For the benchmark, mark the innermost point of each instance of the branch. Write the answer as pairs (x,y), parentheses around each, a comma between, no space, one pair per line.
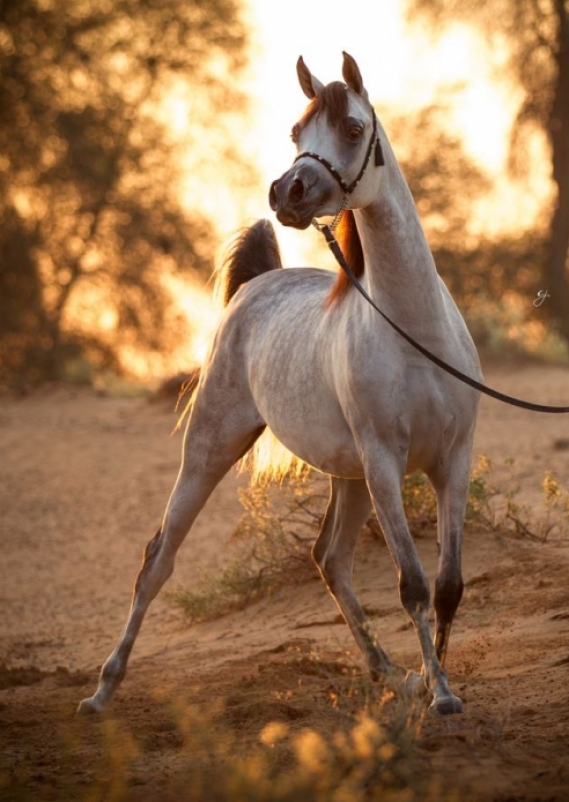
(563,20)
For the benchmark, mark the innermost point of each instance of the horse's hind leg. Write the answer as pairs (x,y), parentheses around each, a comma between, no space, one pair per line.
(333,552)
(215,439)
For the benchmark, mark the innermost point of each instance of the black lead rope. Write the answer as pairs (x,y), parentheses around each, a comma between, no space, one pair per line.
(507,399)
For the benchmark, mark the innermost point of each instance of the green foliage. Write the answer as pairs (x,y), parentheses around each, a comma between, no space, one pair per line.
(280,524)
(531,39)
(480,492)
(232,589)
(500,508)
(509,326)
(526,33)
(420,502)
(89,217)
(556,505)
(276,532)
(437,173)
(364,752)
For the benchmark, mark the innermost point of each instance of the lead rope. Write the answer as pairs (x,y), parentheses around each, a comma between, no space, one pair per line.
(327,231)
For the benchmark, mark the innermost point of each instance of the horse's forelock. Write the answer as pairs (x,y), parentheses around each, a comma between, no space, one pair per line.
(333,101)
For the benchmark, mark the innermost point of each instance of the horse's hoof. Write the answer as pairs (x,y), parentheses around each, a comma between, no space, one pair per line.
(446,705)
(88,707)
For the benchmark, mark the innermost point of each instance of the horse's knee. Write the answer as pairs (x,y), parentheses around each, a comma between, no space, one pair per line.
(448,594)
(414,592)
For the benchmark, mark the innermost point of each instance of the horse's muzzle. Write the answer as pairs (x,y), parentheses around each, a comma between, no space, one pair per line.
(297,196)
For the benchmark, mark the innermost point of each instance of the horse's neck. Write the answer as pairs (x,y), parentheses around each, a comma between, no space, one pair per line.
(400,271)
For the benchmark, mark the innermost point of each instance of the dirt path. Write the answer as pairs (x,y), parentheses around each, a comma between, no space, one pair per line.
(83,483)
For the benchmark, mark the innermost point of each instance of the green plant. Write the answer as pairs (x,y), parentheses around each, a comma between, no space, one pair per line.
(275,533)
(480,492)
(419,501)
(501,510)
(277,530)
(279,526)
(362,746)
(511,325)
(556,505)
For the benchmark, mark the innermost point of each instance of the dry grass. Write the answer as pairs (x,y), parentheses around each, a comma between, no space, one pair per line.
(280,524)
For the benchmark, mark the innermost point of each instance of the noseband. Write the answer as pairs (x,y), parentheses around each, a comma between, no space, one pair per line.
(349,188)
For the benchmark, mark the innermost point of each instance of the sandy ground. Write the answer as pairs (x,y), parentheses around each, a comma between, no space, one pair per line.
(83,483)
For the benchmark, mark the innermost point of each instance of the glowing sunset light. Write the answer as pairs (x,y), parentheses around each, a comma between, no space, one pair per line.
(199,306)
(405,69)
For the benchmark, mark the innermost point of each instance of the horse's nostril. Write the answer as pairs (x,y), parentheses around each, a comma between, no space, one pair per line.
(273,196)
(296,191)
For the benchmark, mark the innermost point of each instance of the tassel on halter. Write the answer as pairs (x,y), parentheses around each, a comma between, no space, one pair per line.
(379,158)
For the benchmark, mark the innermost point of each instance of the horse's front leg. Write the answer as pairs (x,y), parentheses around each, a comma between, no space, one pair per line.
(452,487)
(384,479)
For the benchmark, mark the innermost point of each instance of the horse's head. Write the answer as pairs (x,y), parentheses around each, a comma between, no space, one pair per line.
(338,150)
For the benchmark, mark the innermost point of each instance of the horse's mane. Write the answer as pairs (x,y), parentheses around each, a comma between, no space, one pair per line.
(351,245)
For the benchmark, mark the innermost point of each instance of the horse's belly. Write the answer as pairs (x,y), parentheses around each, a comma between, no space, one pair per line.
(323,441)
(344,462)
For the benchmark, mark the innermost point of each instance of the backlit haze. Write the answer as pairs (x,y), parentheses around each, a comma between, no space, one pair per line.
(404,68)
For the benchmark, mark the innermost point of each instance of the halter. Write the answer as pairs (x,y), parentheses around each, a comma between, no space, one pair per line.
(349,188)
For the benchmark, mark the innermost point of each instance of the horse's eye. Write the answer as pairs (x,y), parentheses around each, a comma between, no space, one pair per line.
(353,129)
(294,133)
(354,132)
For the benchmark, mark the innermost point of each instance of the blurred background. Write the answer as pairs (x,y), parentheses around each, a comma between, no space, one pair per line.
(137,136)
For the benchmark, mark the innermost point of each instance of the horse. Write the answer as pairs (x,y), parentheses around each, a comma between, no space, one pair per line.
(302,354)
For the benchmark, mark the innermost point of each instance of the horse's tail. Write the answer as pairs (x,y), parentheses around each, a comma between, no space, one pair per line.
(254,251)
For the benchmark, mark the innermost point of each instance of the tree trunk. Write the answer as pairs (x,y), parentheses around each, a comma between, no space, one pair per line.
(556,273)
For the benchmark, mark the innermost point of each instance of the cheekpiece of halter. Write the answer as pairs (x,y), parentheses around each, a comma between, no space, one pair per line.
(374,145)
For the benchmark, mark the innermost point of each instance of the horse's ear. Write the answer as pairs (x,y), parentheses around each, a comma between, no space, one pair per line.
(352,74)
(310,85)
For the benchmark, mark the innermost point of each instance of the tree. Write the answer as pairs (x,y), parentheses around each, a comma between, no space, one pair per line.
(536,33)
(89,222)
(443,179)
